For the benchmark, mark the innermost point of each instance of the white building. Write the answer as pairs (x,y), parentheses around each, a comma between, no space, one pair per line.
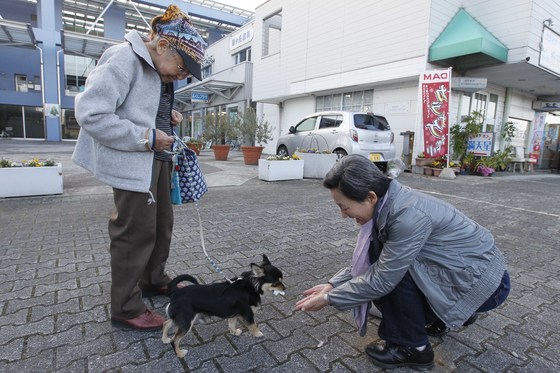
(363,54)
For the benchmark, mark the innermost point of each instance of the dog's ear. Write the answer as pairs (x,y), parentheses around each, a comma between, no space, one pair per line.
(257,270)
(265,260)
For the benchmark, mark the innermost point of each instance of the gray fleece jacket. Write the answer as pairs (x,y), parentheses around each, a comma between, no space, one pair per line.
(452,259)
(115,112)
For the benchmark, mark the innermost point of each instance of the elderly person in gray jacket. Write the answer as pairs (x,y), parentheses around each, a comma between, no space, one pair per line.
(425,265)
(125,116)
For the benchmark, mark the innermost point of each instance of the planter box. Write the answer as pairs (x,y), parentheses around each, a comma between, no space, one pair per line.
(423,162)
(30,181)
(280,170)
(317,165)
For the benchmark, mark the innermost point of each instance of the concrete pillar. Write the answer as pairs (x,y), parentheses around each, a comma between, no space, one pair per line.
(49,22)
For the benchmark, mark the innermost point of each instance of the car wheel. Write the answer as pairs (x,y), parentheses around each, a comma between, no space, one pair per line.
(282,151)
(340,153)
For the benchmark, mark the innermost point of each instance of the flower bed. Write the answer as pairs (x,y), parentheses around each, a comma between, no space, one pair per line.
(32,178)
(316,164)
(278,168)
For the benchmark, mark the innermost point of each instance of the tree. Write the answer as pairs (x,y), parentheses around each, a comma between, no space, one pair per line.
(217,128)
(253,130)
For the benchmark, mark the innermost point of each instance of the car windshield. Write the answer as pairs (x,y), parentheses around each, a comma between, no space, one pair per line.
(371,122)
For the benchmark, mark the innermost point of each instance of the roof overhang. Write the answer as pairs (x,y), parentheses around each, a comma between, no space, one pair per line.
(214,88)
(465,44)
(85,45)
(16,34)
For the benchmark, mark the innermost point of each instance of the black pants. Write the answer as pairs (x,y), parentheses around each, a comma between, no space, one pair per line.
(406,311)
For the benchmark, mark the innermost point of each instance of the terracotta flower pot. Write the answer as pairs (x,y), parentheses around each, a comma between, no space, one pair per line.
(196,147)
(221,152)
(252,154)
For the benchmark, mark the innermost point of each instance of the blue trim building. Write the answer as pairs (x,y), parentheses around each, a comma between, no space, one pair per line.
(48,47)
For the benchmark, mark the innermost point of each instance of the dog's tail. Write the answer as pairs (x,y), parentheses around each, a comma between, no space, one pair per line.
(172,286)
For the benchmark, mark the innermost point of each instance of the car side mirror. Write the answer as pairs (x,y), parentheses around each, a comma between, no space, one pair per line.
(292,129)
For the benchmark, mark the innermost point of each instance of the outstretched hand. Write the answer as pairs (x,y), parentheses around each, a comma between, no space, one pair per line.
(314,299)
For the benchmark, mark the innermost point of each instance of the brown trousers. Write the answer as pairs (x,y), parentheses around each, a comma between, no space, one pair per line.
(140,233)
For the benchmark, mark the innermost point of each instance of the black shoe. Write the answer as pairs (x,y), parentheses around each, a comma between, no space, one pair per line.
(439,329)
(393,356)
(436,329)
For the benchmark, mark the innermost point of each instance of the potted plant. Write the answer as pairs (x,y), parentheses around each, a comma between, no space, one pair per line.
(217,128)
(278,167)
(460,134)
(30,178)
(253,130)
(467,164)
(195,145)
(422,161)
(434,168)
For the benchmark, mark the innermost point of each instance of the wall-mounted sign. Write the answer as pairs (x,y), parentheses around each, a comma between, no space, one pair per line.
(241,38)
(467,84)
(199,97)
(550,51)
(546,106)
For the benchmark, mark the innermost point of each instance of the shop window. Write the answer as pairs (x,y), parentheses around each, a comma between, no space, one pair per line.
(486,104)
(272,32)
(34,123)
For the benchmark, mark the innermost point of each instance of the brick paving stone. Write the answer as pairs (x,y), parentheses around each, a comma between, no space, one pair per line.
(55,280)
(296,363)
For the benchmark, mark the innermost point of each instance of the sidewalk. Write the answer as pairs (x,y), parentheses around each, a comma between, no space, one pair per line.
(55,276)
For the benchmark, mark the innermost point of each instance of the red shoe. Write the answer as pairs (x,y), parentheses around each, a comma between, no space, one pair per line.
(149,320)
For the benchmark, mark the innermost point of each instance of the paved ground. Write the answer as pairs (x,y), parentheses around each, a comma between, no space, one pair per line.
(54,275)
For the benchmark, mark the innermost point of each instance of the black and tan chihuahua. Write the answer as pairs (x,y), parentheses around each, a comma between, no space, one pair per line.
(236,299)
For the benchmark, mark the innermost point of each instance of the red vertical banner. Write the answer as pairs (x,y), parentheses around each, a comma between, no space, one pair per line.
(436,92)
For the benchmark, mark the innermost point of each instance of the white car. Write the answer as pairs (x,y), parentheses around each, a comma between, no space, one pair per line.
(343,133)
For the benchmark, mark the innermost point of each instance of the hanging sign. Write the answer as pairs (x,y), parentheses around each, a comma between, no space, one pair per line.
(199,97)
(435,93)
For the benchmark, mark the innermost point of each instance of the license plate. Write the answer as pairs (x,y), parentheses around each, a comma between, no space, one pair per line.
(375,157)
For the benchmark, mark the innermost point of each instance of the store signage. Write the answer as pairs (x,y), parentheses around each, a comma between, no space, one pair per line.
(481,144)
(546,106)
(199,97)
(550,49)
(435,92)
(241,38)
(466,84)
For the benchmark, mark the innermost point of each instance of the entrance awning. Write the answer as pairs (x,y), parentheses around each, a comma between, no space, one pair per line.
(78,44)
(212,87)
(465,44)
(16,34)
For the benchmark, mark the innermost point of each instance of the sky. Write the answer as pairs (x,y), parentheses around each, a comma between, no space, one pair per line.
(243,4)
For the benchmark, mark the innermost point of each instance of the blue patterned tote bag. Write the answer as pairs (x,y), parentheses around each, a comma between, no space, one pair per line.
(191,181)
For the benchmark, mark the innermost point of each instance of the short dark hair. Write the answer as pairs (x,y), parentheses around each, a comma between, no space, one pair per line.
(355,176)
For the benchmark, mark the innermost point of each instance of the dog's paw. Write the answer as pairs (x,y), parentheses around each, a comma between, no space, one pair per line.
(258,334)
(181,354)
(166,340)
(236,332)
